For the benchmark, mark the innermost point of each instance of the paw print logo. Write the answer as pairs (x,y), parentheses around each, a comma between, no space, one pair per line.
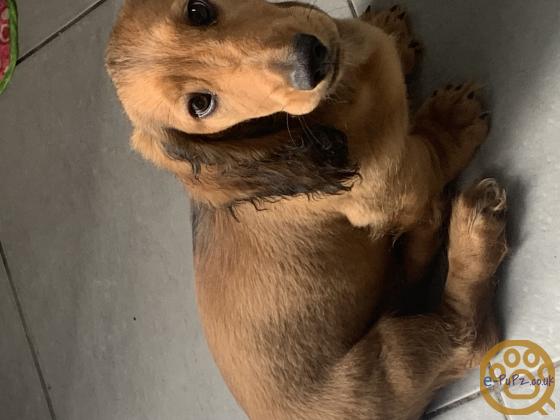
(517,377)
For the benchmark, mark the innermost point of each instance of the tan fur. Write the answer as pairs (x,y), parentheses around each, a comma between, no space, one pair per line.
(294,296)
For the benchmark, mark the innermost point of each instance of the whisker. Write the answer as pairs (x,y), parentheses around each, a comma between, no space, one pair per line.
(308,130)
(290,131)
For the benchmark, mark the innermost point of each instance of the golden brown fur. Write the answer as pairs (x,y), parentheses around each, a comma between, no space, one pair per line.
(295,217)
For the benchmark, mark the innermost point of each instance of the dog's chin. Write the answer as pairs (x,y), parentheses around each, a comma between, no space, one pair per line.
(308,103)
(304,107)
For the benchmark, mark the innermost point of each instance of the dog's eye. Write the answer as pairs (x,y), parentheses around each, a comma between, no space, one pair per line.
(201,105)
(200,13)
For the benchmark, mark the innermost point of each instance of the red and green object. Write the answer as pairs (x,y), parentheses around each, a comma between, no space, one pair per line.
(8,41)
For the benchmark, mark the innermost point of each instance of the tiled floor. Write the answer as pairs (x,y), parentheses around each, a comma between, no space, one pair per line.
(98,304)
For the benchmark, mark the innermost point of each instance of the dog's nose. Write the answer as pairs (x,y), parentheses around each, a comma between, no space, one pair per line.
(311,65)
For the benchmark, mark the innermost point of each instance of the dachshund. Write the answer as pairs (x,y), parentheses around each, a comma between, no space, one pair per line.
(318,198)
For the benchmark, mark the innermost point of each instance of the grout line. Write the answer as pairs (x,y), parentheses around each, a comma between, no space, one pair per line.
(453,405)
(450,406)
(352,8)
(27,333)
(497,392)
(61,31)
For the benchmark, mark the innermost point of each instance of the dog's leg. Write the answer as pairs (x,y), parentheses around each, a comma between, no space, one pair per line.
(477,246)
(395,23)
(421,244)
(452,124)
(413,356)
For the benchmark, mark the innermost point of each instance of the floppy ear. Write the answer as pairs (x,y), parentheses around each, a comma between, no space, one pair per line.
(149,143)
(256,161)
(311,161)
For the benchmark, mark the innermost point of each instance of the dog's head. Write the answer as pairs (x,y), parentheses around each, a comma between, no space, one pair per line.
(214,83)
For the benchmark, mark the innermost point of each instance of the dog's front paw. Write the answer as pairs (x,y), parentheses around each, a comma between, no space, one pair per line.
(457,109)
(394,22)
(453,122)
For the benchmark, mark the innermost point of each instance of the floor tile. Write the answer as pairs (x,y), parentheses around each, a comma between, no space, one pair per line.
(99,245)
(336,8)
(18,376)
(476,409)
(40,19)
(361,5)
(457,391)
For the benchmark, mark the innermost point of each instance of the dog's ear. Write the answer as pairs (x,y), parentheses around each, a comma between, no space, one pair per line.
(312,161)
(150,144)
(257,161)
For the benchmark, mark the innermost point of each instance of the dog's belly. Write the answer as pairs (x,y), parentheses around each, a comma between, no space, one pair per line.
(282,304)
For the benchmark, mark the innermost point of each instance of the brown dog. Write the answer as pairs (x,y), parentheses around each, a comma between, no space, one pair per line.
(296,216)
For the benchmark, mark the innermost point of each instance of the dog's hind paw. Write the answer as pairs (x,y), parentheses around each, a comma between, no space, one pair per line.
(477,229)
